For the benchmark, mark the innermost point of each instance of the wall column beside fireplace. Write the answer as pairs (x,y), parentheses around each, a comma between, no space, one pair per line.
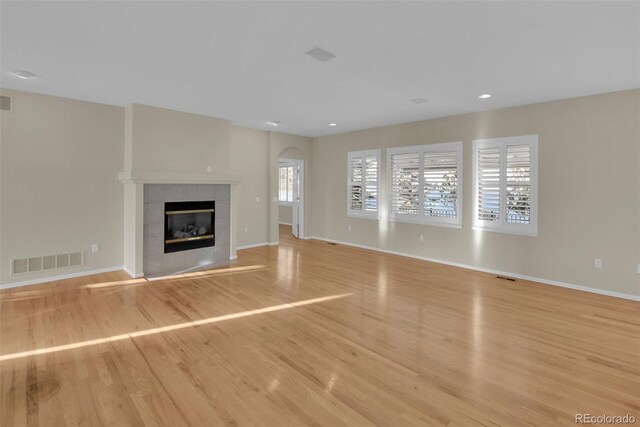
(134,205)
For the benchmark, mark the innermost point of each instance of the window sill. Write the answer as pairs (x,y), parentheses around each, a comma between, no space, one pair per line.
(502,231)
(285,203)
(420,221)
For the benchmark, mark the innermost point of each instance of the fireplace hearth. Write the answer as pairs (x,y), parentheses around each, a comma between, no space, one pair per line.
(189,225)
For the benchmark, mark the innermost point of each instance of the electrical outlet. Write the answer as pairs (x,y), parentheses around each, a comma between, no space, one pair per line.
(258,199)
(246,230)
(349,228)
(95,248)
(421,238)
(597,263)
(209,169)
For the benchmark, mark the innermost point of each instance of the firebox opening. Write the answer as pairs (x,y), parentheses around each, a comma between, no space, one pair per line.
(189,225)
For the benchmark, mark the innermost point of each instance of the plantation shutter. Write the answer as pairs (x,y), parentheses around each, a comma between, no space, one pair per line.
(506,184)
(425,184)
(371,183)
(488,179)
(363,193)
(441,184)
(282,184)
(356,183)
(518,184)
(405,183)
(285,184)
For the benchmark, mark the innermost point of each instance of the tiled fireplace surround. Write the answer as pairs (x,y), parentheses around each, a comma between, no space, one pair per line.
(155,261)
(145,193)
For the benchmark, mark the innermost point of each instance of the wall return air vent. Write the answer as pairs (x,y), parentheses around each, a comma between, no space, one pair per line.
(5,103)
(46,263)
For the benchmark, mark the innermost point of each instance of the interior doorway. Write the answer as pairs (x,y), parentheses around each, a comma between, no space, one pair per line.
(291,195)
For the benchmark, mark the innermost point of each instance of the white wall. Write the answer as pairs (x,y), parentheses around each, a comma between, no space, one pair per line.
(59,185)
(589,192)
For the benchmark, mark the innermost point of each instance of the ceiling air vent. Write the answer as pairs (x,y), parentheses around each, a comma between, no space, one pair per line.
(5,103)
(320,54)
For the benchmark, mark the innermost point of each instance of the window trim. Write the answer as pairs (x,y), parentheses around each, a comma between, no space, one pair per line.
(456,222)
(531,229)
(363,213)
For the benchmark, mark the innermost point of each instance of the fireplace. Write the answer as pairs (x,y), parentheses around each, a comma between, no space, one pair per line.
(188,225)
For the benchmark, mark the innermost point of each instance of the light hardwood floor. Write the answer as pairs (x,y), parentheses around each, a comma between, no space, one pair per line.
(309,333)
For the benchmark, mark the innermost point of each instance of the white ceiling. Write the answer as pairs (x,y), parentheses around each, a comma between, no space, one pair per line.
(245,61)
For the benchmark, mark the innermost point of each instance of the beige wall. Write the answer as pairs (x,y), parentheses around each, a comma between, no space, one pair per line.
(63,194)
(59,183)
(289,145)
(589,191)
(165,140)
(249,160)
(173,141)
(284,214)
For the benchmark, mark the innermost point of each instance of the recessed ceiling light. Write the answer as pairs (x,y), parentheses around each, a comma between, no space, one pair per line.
(333,124)
(24,74)
(320,54)
(275,123)
(485,96)
(419,100)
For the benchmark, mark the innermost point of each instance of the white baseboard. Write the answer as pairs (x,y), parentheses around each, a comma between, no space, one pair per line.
(284,223)
(253,245)
(61,277)
(133,275)
(274,243)
(491,271)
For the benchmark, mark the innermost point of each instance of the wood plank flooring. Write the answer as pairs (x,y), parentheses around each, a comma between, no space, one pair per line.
(309,333)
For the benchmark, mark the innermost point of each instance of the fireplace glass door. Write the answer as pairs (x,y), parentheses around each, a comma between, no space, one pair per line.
(189,225)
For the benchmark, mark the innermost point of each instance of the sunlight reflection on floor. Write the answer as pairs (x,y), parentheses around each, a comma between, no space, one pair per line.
(170,328)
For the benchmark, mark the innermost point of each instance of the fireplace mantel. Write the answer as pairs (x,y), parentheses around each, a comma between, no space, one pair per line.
(155,177)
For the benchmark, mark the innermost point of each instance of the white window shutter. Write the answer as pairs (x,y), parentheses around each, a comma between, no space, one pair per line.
(405,183)
(441,184)
(356,182)
(363,183)
(518,183)
(488,179)
(505,181)
(371,183)
(425,184)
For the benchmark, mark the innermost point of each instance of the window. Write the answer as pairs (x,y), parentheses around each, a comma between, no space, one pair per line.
(285,184)
(363,186)
(505,184)
(425,184)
